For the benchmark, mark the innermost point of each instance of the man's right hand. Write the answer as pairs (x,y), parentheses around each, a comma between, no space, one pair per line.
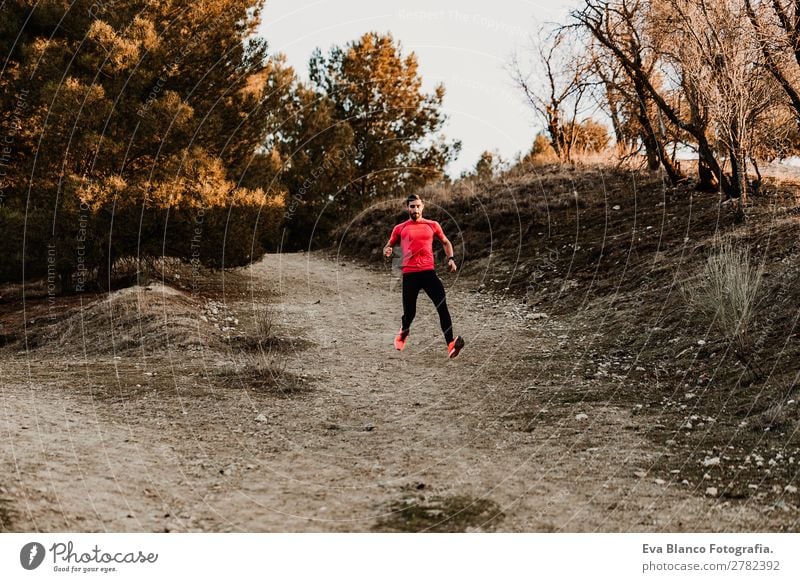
(387,251)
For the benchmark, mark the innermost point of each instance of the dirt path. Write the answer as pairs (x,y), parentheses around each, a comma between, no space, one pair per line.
(382,441)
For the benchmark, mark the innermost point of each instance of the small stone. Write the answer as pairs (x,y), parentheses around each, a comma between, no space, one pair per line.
(261,418)
(581,416)
(711,491)
(790,489)
(710,462)
(659,481)
(640,474)
(370,427)
(616,207)
(701,342)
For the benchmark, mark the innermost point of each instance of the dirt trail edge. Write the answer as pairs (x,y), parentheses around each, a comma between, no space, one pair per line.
(382,440)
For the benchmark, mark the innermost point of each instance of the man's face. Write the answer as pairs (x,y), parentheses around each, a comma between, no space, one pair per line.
(415,209)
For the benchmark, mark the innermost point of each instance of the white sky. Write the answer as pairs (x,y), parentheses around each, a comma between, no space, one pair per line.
(464,44)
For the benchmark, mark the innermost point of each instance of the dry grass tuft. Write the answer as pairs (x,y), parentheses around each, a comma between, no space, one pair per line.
(726,295)
(265,374)
(264,318)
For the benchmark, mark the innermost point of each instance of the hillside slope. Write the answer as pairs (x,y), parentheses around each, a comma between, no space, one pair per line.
(615,254)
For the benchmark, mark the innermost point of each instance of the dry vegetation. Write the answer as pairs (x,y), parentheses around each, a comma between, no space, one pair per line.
(181,313)
(726,297)
(622,260)
(613,252)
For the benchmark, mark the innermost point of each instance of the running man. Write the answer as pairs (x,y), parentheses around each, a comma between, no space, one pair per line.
(416,241)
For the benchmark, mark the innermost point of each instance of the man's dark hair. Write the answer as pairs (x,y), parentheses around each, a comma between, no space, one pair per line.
(411,198)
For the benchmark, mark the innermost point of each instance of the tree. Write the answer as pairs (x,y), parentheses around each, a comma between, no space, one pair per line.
(378,93)
(633,115)
(590,137)
(721,63)
(319,165)
(488,166)
(540,154)
(558,102)
(485,166)
(777,27)
(715,91)
(134,125)
(623,28)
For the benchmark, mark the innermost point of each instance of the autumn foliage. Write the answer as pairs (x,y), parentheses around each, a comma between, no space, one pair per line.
(132,130)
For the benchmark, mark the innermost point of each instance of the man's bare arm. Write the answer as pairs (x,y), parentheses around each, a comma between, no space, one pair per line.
(448,249)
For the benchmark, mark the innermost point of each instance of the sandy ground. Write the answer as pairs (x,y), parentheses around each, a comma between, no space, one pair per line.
(94,444)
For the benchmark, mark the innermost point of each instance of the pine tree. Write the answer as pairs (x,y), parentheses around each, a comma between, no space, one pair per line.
(321,164)
(142,123)
(378,93)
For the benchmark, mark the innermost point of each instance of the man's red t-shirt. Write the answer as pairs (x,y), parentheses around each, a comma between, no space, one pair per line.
(416,242)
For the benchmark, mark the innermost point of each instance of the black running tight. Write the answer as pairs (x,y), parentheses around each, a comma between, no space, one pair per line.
(432,285)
